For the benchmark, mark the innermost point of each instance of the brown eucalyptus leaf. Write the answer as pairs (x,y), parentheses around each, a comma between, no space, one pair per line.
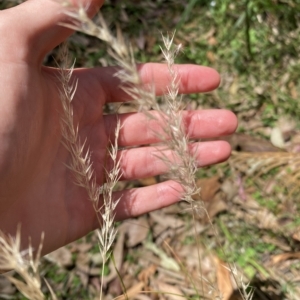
(296,234)
(210,56)
(166,220)
(212,41)
(223,279)
(189,256)
(133,291)
(136,231)
(216,206)
(230,189)
(170,292)
(285,256)
(61,257)
(83,262)
(82,247)
(147,273)
(209,188)
(266,219)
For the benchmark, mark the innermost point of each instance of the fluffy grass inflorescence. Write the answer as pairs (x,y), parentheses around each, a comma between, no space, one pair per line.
(82,166)
(14,260)
(184,170)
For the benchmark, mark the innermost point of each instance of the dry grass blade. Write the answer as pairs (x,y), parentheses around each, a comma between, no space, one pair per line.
(287,166)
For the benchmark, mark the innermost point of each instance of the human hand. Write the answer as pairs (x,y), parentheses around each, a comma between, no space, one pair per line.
(37,190)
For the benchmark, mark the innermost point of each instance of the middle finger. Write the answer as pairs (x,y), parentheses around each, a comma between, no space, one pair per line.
(140,129)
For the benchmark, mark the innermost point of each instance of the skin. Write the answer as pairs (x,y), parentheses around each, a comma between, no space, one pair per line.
(36,189)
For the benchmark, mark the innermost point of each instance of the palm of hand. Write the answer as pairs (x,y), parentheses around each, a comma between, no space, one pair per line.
(36,185)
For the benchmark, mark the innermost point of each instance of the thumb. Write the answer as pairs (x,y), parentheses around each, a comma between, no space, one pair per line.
(35,23)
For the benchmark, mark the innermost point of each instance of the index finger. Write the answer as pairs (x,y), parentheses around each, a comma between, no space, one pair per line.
(192,79)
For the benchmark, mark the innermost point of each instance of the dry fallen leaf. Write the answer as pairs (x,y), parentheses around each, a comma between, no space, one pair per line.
(136,231)
(210,56)
(212,41)
(170,292)
(81,247)
(296,234)
(223,279)
(166,221)
(133,291)
(285,256)
(209,188)
(216,206)
(147,273)
(211,196)
(61,257)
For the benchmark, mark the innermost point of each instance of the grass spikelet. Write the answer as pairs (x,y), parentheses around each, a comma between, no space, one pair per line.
(119,50)
(177,141)
(80,164)
(82,168)
(106,235)
(23,263)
